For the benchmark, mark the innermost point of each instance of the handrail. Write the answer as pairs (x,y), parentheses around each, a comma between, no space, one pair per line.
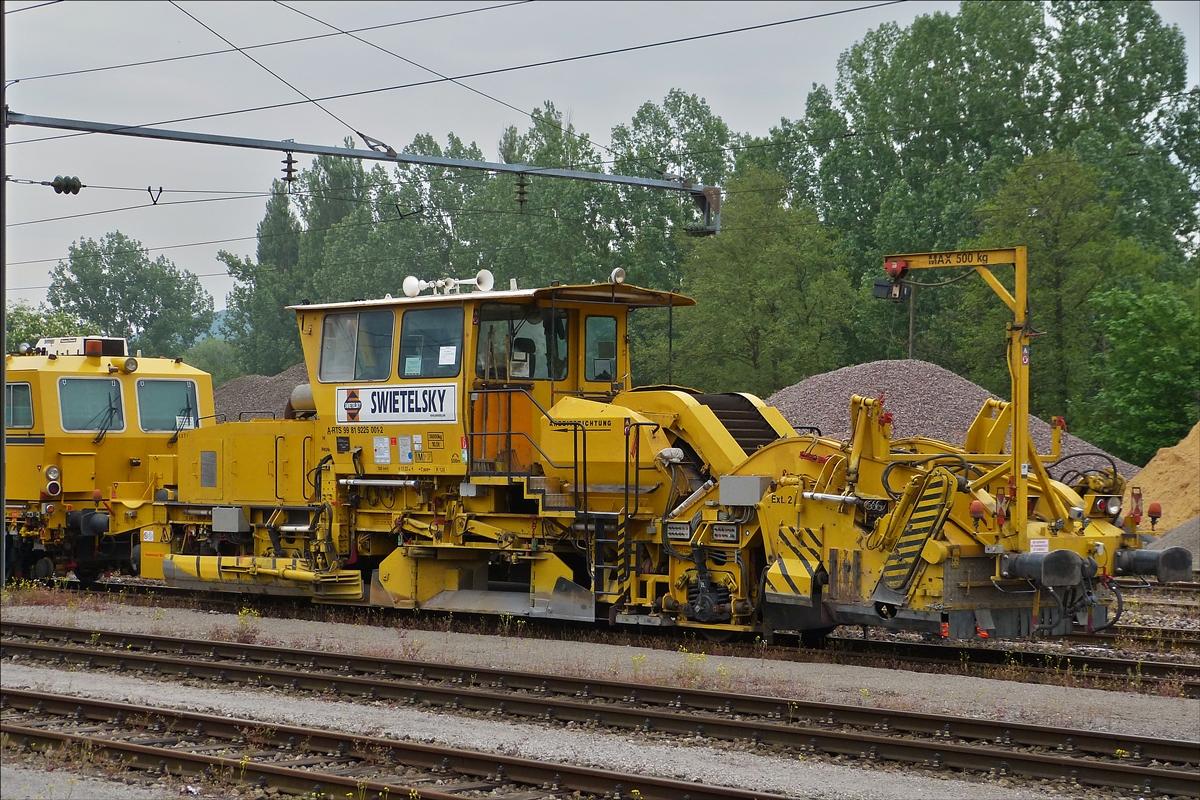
(577,428)
(623,557)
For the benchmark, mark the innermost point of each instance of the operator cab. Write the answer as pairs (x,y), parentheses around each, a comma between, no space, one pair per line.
(453,382)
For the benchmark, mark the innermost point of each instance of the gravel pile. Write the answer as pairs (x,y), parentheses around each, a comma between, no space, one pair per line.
(924,399)
(258,393)
(1185,535)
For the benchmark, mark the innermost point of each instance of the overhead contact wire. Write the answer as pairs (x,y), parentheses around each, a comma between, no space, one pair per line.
(277,43)
(481,73)
(270,71)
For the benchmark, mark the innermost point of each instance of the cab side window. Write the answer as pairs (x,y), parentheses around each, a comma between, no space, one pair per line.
(520,343)
(600,349)
(166,405)
(431,342)
(18,405)
(357,346)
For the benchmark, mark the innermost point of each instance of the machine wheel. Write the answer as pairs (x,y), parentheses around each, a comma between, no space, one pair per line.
(718,636)
(87,577)
(43,569)
(135,561)
(815,638)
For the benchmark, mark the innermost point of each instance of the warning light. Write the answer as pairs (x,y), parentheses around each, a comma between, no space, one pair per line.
(896,269)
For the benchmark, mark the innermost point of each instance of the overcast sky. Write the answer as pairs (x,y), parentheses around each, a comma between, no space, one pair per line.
(750,79)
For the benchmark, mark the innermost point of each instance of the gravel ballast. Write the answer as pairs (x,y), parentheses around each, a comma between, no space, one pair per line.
(1095,709)
(251,393)
(637,753)
(924,399)
(33,783)
(613,751)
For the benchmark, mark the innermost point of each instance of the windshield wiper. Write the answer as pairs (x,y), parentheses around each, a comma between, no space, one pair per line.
(184,415)
(109,416)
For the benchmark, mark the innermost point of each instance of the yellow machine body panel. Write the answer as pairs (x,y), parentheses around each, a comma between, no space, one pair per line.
(485,452)
(92,438)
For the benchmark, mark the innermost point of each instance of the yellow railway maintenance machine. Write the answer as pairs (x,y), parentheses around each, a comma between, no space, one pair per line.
(92,439)
(485,452)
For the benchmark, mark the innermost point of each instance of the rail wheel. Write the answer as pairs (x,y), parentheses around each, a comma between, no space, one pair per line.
(717,635)
(816,638)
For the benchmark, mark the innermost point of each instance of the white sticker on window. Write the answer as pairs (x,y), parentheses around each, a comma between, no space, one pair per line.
(383,450)
(412,365)
(184,423)
(404,448)
(447,355)
(1039,545)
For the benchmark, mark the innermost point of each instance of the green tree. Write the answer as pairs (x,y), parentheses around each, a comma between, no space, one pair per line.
(1150,360)
(113,288)
(258,323)
(773,299)
(925,122)
(217,357)
(1056,207)
(25,324)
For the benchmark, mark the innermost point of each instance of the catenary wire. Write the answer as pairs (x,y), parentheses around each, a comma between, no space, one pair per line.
(537,121)
(30,8)
(481,73)
(263,66)
(261,45)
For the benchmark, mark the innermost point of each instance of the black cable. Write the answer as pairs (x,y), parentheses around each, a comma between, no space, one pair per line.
(1096,454)
(456,82)
(130,208)
(29,8)
(270,71)
(481,73)
(276,43)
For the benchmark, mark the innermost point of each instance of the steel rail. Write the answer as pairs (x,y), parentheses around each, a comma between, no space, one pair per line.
(1157,638)
(809,726)
(320,742)
(1139,669)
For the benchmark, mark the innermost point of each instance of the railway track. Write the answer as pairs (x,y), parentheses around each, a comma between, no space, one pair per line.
(1179,640)
(320,764)
(930,740)
(1134,671)
(979,658)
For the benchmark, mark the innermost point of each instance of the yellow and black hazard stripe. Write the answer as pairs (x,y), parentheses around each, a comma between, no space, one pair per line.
(806,547)
(926,519)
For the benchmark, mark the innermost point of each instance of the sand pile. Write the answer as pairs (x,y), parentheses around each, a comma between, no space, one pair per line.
(1173,479)
(258,393)
(925,400)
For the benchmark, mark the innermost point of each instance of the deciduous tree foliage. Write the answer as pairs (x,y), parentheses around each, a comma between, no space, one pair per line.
(1066,127)
(773,296)
(26,324)
(113,288)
